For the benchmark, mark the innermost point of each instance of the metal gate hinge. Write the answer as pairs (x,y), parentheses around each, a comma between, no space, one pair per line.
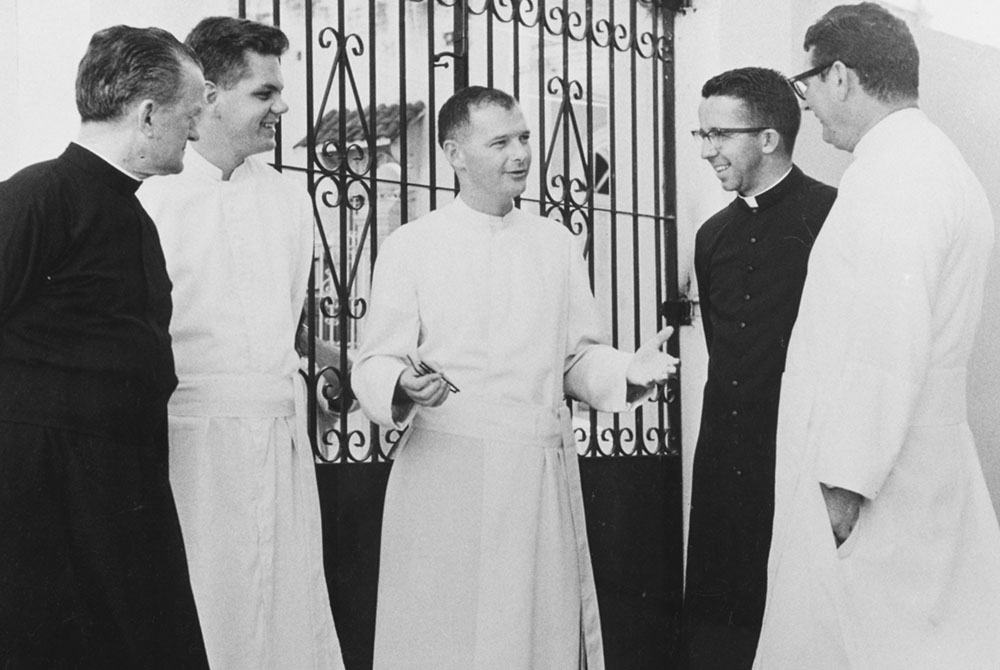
(677,311)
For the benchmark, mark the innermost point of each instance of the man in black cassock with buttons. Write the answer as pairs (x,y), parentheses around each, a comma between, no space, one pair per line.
(750,263)
(92,565)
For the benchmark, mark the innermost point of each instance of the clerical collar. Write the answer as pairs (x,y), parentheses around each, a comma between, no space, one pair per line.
(101,169)
(772,193)
(107,160)
(494,220)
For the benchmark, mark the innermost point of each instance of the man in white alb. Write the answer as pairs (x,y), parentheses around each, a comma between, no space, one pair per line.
(484,557)
(237,237)
(886,551)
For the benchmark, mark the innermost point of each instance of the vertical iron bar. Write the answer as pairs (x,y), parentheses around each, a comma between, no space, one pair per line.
(660,219)
(544,168)
(670,205)
(616,448)
(565,112)
(312,316)
(516,21)
(279,131)
(373,229)
(432,95)
(489,44)
(461,44)
(640,445)
(404,135)
(593,447)
(242,9)
(342,183)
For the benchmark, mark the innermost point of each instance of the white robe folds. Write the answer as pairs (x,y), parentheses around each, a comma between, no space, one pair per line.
(873,400)
(484,558)
(241,467)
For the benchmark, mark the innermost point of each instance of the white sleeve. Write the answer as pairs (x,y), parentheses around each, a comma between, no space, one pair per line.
(593,371)
(392,327)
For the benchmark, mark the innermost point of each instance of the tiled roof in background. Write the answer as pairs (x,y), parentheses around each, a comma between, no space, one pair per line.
(386,124)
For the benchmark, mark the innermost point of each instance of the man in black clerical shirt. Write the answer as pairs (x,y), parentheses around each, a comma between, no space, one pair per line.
(92,566)
(750,262)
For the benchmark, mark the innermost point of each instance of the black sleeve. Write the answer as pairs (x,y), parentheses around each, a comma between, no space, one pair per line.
(24,217)
(703,276)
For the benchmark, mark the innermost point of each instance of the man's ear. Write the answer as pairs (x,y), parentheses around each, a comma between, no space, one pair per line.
(143,117)
(844,79)
(771,140)
(211,92)
(453,152)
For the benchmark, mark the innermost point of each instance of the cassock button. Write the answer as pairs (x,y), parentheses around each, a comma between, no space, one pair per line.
(743,324)
(753,240)
(735,412)
(750,268)
(746,296)
(736,382)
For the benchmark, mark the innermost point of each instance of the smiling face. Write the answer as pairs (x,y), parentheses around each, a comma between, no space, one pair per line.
(245,115)
(491,157)
(738,159)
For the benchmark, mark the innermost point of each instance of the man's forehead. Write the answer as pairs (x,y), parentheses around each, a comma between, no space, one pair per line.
(260,71)
(485,117)
(723,105)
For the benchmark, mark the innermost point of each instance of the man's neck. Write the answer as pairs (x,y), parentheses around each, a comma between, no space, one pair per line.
(219,156)
(874,111)
(770,175)
(486,205)
(111,143)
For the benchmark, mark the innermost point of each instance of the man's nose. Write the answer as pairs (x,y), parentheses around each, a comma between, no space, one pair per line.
(707,148)
(520,151)
(280,106)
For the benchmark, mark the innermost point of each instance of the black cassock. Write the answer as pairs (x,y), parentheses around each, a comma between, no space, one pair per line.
(750,264)
(92,566)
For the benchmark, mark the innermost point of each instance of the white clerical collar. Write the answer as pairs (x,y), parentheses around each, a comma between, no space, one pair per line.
(751,200)
(107,160)
(196,162)
(492,219)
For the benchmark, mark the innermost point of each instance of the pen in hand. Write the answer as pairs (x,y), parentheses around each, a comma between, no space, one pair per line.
(424,369)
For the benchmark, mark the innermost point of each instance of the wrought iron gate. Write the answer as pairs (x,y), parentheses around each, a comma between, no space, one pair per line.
(595,81)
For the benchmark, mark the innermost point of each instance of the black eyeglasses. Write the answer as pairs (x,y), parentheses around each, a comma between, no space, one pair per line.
(798,82)
(716,135)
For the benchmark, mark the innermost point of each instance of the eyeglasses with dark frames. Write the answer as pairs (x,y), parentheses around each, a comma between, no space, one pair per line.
(716,135)
(798,82)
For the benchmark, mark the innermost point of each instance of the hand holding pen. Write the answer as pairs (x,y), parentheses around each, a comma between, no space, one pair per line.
(424,385)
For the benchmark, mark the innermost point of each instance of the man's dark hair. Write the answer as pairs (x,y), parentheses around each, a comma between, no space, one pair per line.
(767,96)
(124,65)
(221,43)
(454,114)
(877,45)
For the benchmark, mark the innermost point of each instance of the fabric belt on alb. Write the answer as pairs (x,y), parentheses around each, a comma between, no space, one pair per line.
(249,396)
(549,427)
(241,396)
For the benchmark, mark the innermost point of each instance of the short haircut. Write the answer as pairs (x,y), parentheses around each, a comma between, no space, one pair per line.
(454,114)
(874,43)
(221,43)
(124,65)
(769,99)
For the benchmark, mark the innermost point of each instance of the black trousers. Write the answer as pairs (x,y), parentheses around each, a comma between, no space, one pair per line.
(92,566)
